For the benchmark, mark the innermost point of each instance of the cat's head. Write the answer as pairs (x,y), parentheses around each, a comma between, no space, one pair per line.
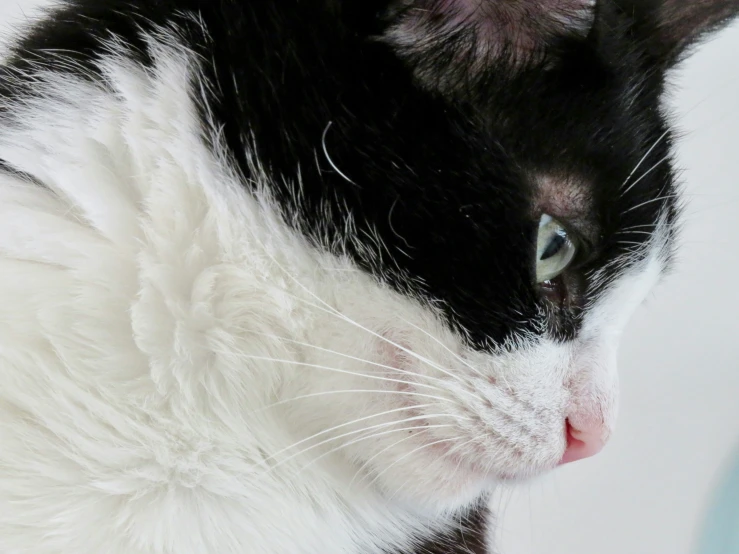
(500,172)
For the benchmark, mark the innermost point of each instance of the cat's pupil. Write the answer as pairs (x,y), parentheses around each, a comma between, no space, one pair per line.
(554,246)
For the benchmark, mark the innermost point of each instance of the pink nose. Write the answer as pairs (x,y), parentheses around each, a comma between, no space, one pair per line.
(583,443)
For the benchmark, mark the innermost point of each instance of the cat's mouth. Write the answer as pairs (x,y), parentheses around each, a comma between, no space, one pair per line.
(508,417)
(469,461)
(473,460)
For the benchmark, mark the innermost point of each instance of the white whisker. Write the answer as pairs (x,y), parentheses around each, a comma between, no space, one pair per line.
(658,199)
(634,232)
(335,427)
(355,432)
(647,172)
(420,428)
(336,370)
(638,165)
(445,347)
(367,462)
(348,356)
(331,310)
(350,391)
(406,456)
(330,161)
(646,225)
(631,243)
(417,356)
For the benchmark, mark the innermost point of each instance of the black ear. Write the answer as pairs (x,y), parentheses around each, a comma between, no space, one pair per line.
(683,23)
(449,42)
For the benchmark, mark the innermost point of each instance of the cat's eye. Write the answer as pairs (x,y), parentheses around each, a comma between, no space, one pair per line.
(555,249)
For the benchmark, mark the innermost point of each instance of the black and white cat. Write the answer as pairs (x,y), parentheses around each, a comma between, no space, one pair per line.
(312,276)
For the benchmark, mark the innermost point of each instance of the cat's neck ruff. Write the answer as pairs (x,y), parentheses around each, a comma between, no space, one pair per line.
(204,352)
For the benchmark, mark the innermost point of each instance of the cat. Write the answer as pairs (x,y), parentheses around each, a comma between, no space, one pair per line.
(314,276)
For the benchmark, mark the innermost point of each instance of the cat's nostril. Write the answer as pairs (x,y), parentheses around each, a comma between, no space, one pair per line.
(583,442)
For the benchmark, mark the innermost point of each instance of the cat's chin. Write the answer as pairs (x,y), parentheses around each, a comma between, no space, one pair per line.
(474,468)
(455,481)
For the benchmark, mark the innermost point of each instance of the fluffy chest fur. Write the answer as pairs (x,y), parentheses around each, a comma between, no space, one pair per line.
(141,287)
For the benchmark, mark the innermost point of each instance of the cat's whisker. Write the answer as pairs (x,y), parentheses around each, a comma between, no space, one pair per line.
(350,391)
(355,432)
(368,461)
(343,317)
(631,243)
(330,310)
(445,347)
(646,173)
(644,158)
(348,356)
(645,226)
(335,427)
(419,428)
(337,370)
(328,157)
(658,199)
(635,232)
(405,456)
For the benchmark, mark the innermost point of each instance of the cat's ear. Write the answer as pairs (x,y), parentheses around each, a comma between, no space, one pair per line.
(450,41)
(683,23)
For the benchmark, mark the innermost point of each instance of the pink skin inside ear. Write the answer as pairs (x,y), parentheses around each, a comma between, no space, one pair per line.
(582,443)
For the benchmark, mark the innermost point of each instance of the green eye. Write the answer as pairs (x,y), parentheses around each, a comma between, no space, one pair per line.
(554,249)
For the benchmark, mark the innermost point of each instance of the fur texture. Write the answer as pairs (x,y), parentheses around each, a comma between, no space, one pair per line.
(264,291)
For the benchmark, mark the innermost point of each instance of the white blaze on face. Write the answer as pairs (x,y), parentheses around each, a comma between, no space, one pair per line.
(595,380)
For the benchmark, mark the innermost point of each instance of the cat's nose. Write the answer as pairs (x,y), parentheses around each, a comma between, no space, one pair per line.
(583,441)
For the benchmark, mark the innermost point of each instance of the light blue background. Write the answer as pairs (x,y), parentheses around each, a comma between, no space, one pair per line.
(721,534)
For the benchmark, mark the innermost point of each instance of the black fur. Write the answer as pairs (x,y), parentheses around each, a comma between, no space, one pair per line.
(444,181)
(446,185)
(681,23)
(468,538)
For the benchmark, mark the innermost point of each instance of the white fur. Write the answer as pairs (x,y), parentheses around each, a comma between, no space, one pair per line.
(165,339)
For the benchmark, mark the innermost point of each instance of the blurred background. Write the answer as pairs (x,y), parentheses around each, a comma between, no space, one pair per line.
(651,489)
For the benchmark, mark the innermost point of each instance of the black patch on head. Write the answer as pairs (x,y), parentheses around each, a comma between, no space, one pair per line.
(440,190)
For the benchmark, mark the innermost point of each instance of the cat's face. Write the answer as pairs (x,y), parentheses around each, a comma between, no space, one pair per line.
(486,210)
(514,206)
